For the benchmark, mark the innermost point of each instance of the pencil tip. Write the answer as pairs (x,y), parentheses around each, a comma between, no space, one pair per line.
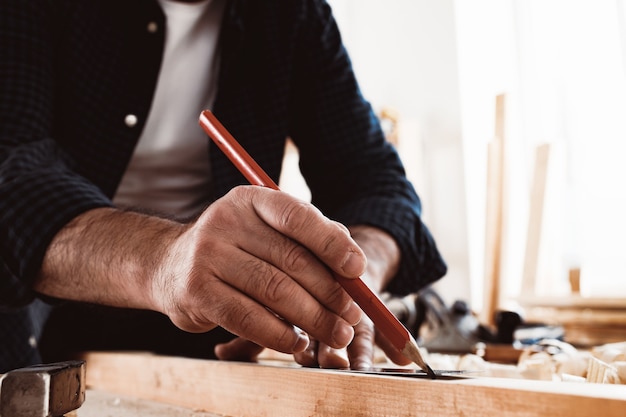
(412,351)
(430,372)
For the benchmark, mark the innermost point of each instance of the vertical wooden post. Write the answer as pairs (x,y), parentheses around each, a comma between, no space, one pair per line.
(535,221)
(494,214)
(574,280)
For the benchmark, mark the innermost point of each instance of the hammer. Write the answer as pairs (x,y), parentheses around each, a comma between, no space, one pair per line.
(48,390)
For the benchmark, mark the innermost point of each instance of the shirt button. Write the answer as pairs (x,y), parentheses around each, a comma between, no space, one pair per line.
(152,27)
(130,120)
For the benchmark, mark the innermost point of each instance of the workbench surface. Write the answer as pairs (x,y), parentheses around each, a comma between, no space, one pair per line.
(104,404)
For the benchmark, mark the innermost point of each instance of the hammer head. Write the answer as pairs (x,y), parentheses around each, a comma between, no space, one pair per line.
(49,390)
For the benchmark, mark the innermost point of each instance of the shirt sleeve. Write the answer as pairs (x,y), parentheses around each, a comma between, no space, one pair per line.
(39,191)
(354,175)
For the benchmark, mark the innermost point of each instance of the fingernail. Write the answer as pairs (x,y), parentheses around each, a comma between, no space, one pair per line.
(302,343)
(352,314)
(333,358)
(353,265)
(342,334)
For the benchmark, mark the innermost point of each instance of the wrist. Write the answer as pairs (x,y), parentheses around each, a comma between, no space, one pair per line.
(382,252)
(106,256)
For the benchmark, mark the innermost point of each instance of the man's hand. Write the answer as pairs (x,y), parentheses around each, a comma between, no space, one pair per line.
(358,355)
(255,263)
(383,260)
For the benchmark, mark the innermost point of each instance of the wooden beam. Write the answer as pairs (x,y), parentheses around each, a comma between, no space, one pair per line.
(535,220)
(494,215)
(231,388)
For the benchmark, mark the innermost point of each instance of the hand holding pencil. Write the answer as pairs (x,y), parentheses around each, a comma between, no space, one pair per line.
(384,320)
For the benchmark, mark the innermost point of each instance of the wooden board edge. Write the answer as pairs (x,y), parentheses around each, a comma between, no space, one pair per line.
(242,389)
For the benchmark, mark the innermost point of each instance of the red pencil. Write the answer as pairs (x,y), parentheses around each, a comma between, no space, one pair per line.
(383,319)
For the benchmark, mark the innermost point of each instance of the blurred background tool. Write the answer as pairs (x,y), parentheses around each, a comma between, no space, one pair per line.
(457,330)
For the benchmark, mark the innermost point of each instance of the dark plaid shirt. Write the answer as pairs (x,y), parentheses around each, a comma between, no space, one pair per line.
(70,72)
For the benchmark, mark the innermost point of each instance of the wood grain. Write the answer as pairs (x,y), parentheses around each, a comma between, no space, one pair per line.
(106,404)
(535,220)
(494,214)
(239,389)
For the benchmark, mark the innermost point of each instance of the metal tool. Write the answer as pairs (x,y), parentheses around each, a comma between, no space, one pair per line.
(49,390)
(414,373)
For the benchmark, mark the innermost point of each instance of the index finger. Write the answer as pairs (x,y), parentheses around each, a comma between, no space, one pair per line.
(330,241)
(361,350)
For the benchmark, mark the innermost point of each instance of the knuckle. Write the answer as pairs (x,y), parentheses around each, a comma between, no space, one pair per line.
(295,215)
(234,316)
(365,332)
(342,227)
(319,321)
(337,296)
(275,286)
(286,338)
(240,193)
(296,258)
(220,214)
(335,240)
(226,210)
(246,319)
(267,284)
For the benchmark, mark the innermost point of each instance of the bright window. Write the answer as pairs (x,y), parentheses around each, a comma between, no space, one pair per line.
(573,95)
(561,64)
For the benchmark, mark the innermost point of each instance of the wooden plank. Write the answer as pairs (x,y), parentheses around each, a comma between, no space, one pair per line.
(494,215)
(574,280)
(535,220)
(241,389)
(588,336)
(575,301)
(587,322)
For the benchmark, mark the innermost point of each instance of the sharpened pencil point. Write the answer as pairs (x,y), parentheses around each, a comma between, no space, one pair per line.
(412,351)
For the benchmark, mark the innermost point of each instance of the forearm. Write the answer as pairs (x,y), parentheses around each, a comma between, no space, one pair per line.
(382,252)
(107,256)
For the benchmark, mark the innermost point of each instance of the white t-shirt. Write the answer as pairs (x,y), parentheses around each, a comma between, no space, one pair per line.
(169,170)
